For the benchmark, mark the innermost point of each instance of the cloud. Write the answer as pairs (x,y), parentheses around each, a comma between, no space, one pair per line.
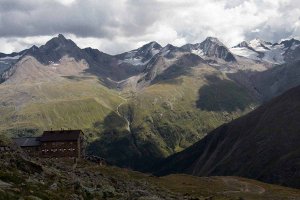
(119,25)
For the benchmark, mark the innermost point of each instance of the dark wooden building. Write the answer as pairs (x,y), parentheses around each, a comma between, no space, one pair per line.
(29,144)
(54,144)
(62,143)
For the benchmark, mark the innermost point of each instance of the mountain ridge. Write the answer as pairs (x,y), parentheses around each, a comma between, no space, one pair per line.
(254,146)
(286,51)
(125,65)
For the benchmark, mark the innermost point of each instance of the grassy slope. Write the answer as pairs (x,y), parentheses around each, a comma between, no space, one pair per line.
(67,103)
(262,145)
(164,117)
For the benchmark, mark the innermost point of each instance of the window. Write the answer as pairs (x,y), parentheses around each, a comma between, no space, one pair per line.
(56,144)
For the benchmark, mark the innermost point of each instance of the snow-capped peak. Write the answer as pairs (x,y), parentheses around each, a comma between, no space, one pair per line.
(291,43)
(142,55)
(242,44)
(213,40)
(261,50)
(259,44)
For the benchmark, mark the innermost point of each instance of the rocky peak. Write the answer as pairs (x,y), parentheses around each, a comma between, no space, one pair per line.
(212,47)
(141,55)
(57,43)
(242,44)
(259,43)
(149,49)
(152,44)
(61,36)
(55,49)
(290,43)
(168,47)
(214,40)
(32,49)
(169,51)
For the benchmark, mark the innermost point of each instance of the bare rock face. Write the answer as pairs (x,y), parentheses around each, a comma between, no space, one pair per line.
(7,61)
(212,47)
(292,52)
(242,44)
(140,56)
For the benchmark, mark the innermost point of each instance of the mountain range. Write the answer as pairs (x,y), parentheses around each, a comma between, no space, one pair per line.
(277,53)
(146,104)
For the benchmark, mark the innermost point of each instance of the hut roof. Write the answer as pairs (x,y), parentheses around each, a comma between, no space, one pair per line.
(27,141)
(60,135)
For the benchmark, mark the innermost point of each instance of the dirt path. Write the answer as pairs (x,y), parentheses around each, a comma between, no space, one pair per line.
(127,121)
(241,186)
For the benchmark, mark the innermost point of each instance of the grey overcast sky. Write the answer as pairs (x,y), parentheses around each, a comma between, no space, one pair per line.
(115,26)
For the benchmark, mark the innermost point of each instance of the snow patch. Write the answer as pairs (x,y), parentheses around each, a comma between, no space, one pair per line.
(275,55)
(134,61)
(53,63)
(271,53)
(134,58)
(154,51)
(11,57)
(4,62)
(245,52)
(198,52)
(295,46)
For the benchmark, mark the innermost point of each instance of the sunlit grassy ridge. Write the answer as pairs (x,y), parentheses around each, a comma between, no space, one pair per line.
(66,103)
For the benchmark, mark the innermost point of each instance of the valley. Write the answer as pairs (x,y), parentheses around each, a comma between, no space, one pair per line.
(150,100)
(255,146)
(141,106)
(148,116)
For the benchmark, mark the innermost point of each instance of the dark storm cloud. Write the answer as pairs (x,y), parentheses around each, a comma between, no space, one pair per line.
(139,15)
(118,25)
(83,18)
(10,5)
